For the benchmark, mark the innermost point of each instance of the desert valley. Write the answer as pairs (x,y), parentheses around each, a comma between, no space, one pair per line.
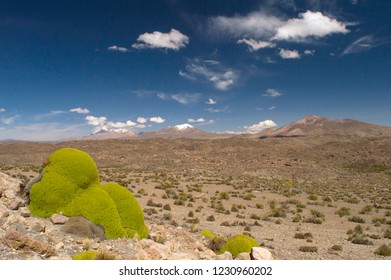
(313,189)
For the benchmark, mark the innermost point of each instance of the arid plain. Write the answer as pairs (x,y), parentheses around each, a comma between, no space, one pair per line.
(309,197)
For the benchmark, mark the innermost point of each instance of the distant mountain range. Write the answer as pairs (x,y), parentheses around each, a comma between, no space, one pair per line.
(317,126)
(308,126)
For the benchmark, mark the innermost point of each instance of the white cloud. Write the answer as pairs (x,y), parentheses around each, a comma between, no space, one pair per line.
(272,93)
(118,49)
(2,110)
(309,24)
(221,78)
(309,52)
(186,98)
(271,108)
(173,40)
(9,120)
(142,120)
(206,123)
(48,115)
(157,120)
(217,110)
(211,101)
(256,45)
(260,126)
(120,124)
(163,96)
(200,120)
(80,110)
(362,44)
(288,54)
(256,24)
(96,121)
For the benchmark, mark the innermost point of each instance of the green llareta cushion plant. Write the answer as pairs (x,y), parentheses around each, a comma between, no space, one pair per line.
(70,184)
(238,243)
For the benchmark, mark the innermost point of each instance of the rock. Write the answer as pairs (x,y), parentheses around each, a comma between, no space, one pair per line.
(58,219)
(16,203)
(260,253)
(2,233)
(9,183)
(3,211)
(37,227)
(13,219)
(227,256)
(24,212)
(243,256)
(9,194)
(81,226)
(59,246)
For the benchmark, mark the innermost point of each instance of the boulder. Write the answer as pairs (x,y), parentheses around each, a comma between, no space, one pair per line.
(80,226)
(243,257)
(37,227)
(58,219)
(260,253)
(24,212)
(3,211)
(227,256)
(16,203)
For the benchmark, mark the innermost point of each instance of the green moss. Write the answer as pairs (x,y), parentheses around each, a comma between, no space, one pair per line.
(97,206)
(85,256)
(70,184)
(238,243)
(51,194)
(208,234)
(130,212)
(74,164)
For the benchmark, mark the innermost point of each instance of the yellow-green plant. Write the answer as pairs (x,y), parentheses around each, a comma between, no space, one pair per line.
(237,244)
(70,184)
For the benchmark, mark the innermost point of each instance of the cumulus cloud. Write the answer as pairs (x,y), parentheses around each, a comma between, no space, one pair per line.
(102,124)
(142,120)
(117,49)
(288,54)
(173,40)
(309,24)
(9,120)
(260,126)
(221,78)
(270,92)
(211,101)
(256,24)
(80,110)
(157,120)
(254,45)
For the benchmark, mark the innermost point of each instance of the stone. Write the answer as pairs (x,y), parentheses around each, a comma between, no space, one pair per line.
(3,211)
(227,256)
(260,253)
(37,227)
(9,194)
(58,219)
(83,227)
(16,203)
(24,212)
(13,219)
(2,233)
(59,246)
(243,257)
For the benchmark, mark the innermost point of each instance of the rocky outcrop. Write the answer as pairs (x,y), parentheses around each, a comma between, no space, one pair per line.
(23,236)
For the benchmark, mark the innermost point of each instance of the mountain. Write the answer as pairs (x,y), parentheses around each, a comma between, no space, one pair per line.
(317,126)
(182,131)
(109,134)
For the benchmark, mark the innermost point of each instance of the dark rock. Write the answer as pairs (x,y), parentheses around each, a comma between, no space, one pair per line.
(83,227)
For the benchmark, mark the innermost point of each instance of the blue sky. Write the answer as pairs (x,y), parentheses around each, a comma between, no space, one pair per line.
(70,68)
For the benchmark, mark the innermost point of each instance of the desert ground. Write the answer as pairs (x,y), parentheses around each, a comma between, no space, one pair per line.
(314,197)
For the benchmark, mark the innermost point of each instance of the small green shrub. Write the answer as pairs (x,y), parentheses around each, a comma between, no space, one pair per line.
(208,234)
(383,250)
(237,244)
(308,249)
(336,248)
(94,255)
(343,211)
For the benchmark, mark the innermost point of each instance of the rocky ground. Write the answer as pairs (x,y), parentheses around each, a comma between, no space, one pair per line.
(302,198)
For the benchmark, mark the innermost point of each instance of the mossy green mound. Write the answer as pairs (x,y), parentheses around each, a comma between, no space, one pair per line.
(70,184)
(85,256)
(238,243)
